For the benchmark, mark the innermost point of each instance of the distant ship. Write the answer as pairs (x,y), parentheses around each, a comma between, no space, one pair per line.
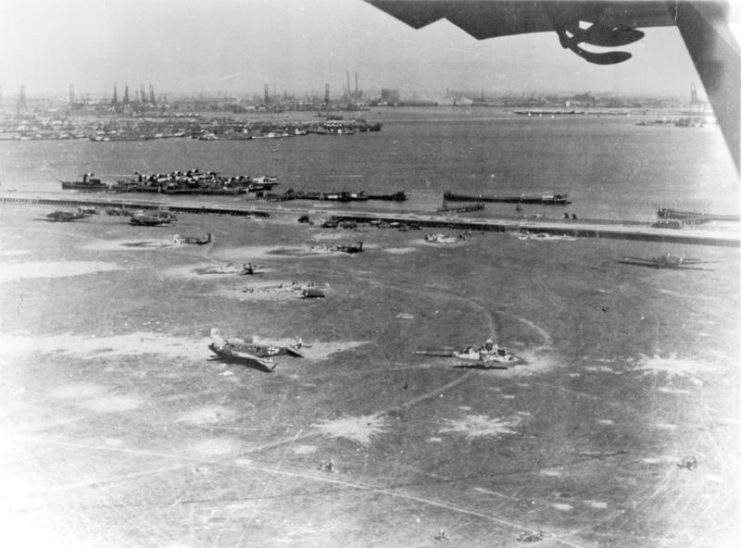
(545,199)
(547,112)
(88,183)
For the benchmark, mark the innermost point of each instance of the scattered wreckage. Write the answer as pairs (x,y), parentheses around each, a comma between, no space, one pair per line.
(488,356)
(440,238)
(66,216)
(157,218)
(240,269)
(530,536)
(544,236)
(195,240)
(306,290)
(252,354)
(174,241)
(356,247)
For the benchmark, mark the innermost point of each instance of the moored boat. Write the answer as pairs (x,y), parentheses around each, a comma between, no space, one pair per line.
(88,183)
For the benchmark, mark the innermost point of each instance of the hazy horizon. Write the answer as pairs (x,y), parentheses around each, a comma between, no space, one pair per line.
(238,46)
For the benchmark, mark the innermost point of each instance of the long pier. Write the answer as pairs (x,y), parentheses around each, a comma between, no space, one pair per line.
(582,229)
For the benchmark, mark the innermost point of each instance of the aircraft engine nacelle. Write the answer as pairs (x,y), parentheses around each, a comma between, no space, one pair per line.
(605,36)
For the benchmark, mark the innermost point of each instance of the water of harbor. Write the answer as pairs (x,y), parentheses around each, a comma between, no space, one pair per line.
(610,167)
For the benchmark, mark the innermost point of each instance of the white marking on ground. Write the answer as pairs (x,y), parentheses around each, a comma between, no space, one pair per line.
(210,414)
(665,426)
(674,366)
(596,504)
(677,391)
(112,404)
(358,429)
(13,252)
(434,439)
(55,269)
(217,446)
(715,478)
(477,426)
(660,460)
(77,391)
(606,421)
(599,368)
(303,449)
(551,473)
(562,506)
(93,347)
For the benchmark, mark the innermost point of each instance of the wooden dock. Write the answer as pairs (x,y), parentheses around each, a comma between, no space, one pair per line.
(583,229)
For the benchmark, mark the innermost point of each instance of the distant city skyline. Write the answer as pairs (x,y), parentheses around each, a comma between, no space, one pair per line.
(238,46)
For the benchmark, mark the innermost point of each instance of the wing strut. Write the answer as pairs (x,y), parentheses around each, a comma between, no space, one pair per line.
(715,53)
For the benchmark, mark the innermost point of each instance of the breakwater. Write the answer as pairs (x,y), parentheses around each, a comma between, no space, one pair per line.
(586,229)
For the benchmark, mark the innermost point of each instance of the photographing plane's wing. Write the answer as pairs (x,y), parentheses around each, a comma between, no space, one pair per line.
(608,23)
(491,18)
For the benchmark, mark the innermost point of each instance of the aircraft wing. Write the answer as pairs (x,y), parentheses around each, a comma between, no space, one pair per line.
(491,18)
(703,24)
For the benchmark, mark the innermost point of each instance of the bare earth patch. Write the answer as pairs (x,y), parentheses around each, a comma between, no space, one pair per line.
(55,269)
(358,429)
(478,426)
(93,347)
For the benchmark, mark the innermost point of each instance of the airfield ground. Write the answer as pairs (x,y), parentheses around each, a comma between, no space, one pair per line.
(119,429)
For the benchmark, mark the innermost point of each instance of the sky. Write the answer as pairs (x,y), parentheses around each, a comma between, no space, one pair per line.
(238,46)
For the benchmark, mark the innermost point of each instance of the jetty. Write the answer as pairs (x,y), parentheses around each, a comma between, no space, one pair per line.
(607,229)
(543,199)
(461,209)
(694,217)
